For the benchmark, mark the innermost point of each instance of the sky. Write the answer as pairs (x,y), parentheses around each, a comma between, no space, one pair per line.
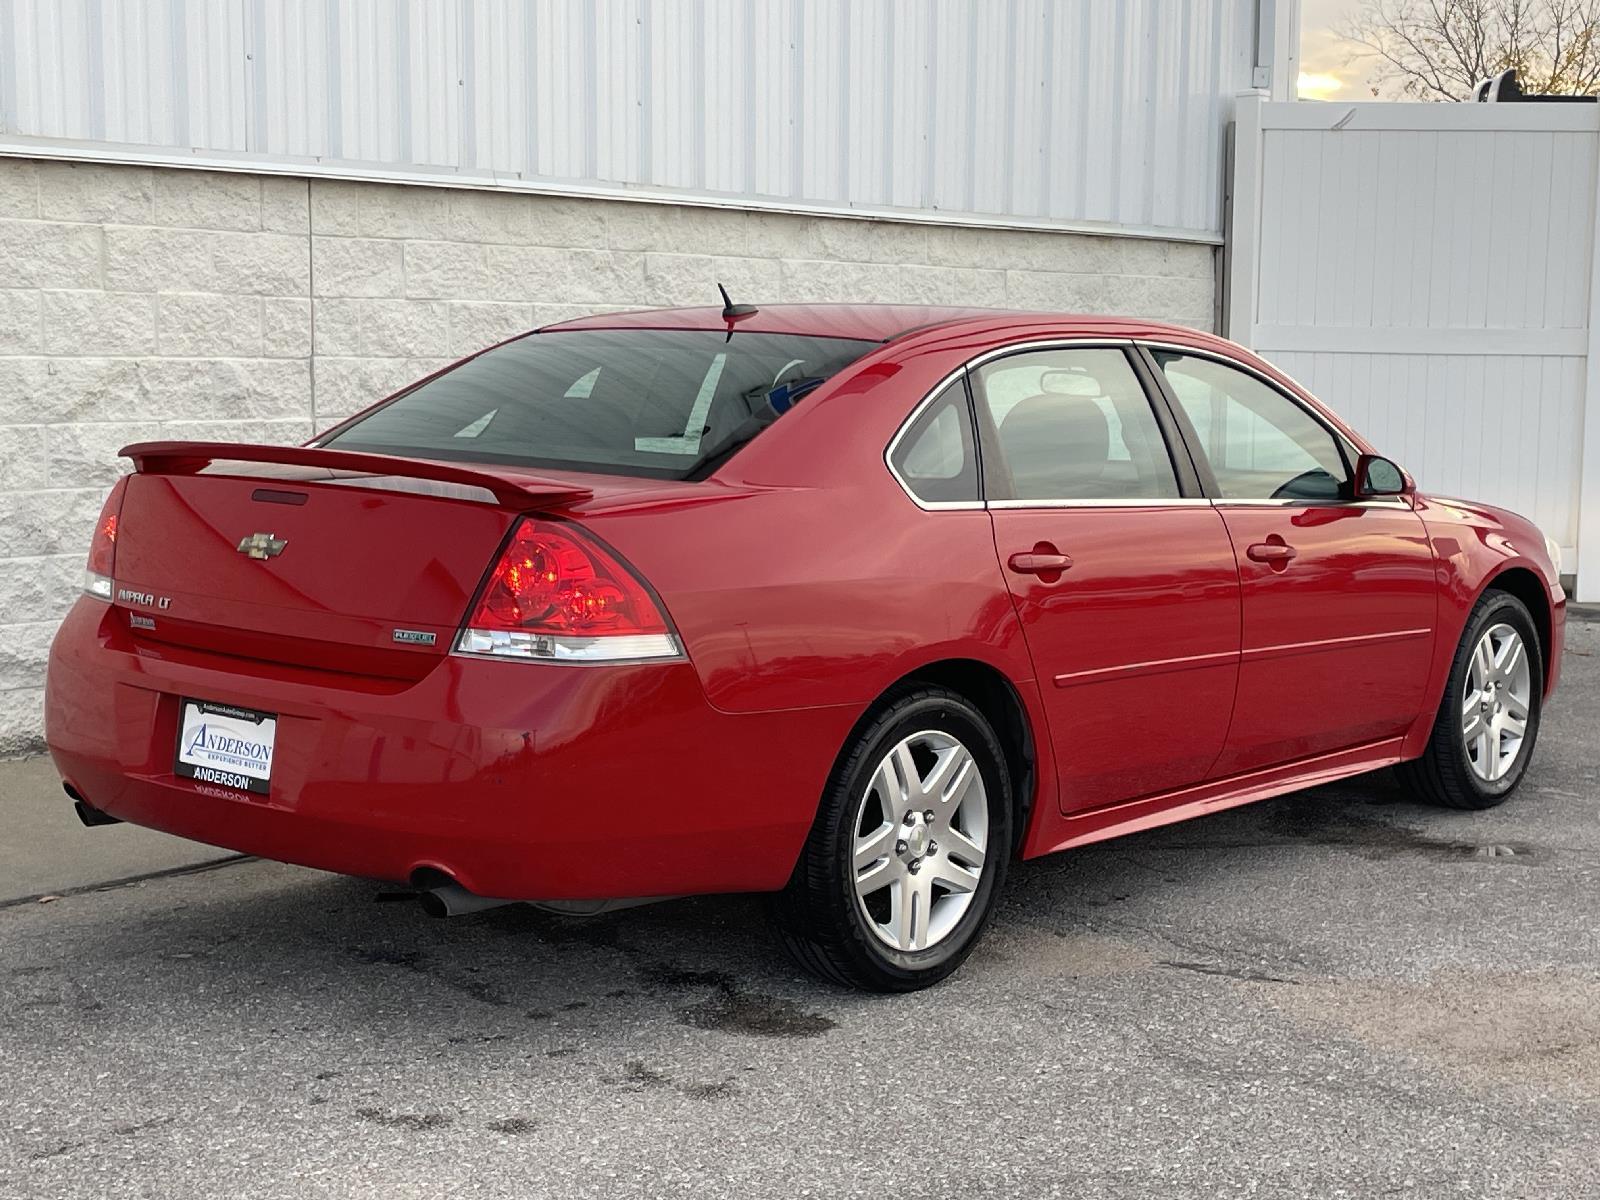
(1325,70)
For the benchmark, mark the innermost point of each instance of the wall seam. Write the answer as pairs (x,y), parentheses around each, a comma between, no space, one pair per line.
(311,298)
(50,151)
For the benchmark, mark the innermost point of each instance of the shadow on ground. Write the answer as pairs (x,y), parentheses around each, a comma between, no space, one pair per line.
(711,962)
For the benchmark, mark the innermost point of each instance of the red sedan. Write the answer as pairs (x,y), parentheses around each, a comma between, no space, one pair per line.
(853,605)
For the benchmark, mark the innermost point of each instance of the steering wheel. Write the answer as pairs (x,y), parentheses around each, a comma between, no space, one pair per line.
(1315,484)
(794,364)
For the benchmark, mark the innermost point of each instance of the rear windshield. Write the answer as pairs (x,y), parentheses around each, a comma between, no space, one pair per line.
(664,403)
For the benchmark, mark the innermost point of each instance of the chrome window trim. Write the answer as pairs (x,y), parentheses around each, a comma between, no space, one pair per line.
(946,505)
(1148,502)
(1092,342)
(1299,502)
(905,427)
(1088,341)
(1068,342)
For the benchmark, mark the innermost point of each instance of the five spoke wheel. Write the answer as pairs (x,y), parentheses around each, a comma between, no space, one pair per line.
(920,837)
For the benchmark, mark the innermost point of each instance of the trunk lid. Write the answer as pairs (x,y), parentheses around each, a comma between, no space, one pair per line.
(359,564)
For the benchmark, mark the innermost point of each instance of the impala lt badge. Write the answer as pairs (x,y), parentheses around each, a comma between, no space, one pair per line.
(262,546)
(148,599)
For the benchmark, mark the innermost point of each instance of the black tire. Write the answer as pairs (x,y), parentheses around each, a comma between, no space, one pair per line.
(1444,774)
(818,916)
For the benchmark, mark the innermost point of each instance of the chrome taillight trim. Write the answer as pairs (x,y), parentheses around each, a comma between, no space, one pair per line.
(604,649)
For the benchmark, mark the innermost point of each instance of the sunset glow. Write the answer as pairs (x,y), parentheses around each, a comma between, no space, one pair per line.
(1317,85)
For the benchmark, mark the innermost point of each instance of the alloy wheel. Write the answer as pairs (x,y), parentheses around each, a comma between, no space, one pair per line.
(920,840)
(1495,702)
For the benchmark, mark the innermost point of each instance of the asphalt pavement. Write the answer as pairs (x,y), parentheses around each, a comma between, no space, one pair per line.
(1336,993)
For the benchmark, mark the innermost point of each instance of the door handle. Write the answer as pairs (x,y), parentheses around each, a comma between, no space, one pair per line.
(1043,559)
(1275,553)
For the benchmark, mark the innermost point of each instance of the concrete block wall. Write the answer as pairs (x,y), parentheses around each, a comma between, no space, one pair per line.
(140,303)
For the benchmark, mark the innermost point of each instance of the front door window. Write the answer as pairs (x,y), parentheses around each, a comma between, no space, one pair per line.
(1261,444)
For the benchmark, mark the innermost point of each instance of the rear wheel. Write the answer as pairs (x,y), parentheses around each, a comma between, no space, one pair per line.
(909,848)
(1484,734)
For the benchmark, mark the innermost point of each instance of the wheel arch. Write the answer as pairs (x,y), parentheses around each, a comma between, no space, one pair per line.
(1457,602)
(1524,583)
(993,694)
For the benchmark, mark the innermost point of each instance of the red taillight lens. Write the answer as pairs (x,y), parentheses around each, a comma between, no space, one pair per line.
(556,594)
(102,564)
(103,546)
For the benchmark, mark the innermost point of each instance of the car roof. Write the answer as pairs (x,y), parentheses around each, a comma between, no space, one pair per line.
(870,322)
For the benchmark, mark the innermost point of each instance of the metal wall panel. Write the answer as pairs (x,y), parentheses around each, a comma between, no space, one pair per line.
(1035,111)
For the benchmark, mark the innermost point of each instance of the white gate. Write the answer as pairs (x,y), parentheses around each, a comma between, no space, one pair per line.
(1429,270)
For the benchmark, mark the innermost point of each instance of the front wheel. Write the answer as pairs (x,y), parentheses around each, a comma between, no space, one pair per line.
(908,851)
(1483,737)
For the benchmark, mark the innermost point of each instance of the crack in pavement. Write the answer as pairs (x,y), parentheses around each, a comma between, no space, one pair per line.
(215,864)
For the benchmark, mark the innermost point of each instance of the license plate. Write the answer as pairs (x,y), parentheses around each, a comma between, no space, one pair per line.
(224,745)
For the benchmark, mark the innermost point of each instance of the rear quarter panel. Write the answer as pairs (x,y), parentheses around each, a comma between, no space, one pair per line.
(801,598)
(816,580)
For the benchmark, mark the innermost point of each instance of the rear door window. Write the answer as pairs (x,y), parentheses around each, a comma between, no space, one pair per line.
(659,403)
(1071,425)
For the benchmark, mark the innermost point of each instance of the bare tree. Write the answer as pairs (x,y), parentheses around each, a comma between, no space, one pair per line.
(1437,49)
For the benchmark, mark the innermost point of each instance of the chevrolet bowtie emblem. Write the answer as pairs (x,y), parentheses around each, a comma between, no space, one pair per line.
(262,545)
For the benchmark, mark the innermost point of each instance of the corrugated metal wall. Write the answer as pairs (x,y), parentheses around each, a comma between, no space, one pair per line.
(1067,111)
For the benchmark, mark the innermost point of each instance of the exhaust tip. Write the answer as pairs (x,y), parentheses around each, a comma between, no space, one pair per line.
(88,813)
(441,896)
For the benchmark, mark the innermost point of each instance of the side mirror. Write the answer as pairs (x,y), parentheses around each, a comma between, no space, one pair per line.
(1377,476)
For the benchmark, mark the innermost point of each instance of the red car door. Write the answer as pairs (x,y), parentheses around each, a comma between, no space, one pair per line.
(1121,573)
(1339,595)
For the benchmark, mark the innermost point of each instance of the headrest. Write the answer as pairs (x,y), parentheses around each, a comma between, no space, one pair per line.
(1055,445)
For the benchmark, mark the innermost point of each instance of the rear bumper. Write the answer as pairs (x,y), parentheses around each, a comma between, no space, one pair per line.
(521,780)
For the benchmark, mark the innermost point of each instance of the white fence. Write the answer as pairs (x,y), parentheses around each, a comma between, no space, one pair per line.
(1430,271)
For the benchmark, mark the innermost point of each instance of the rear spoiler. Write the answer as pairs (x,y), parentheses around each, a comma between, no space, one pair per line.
(189,458)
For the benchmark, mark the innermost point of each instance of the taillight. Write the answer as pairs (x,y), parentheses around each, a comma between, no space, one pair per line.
(558,596)
(101,568)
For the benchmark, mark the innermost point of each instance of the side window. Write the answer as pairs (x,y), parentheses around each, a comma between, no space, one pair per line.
(1071,425)
(1261,444)
(937,456)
